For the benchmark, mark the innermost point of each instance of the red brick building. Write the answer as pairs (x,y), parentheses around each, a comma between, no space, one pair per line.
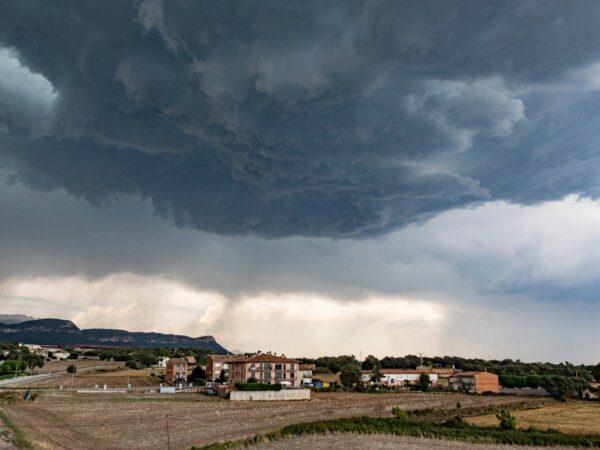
(177,370)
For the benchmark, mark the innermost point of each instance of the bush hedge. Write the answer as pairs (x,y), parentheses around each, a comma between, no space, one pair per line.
(453,430)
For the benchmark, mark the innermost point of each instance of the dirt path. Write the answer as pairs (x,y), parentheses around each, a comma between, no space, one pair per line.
(5,436)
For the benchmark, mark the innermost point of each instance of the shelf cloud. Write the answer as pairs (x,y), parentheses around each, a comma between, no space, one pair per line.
(345,120)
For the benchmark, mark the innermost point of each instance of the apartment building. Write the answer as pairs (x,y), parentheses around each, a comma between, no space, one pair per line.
(177,371)
(216,363)
(265,368)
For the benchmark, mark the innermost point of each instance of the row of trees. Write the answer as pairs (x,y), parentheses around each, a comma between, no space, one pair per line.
(18,359)
(499,367)
(558,386)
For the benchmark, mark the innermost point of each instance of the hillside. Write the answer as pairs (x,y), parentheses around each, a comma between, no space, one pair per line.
(14,318)
(65,332)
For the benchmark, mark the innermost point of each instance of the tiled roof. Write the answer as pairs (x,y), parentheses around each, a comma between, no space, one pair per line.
(177,361)
(223,358)
(469,374)
(264,357)
(307,367)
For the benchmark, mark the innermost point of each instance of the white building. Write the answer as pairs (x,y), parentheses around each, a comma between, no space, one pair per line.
(400,377)
(33,348)
(162,361)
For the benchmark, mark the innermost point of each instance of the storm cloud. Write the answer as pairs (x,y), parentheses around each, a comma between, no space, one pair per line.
(338,119)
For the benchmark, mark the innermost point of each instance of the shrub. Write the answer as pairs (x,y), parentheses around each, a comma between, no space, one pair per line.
(72,368)
(400,413)
(507,420)
(131,364)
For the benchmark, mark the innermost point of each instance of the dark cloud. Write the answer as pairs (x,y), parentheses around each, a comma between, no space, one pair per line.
(341,119)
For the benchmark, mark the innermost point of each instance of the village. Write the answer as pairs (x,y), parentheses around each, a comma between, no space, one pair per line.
(250,376)
(166,391)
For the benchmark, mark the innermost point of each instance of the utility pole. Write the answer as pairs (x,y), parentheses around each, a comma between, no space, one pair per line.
(168,434)
(421,355)
(18,364)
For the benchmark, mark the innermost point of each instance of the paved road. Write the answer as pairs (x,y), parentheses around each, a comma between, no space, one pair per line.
(45,376)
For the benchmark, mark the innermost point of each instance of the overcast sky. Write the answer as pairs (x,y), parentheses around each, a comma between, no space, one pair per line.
(313,178)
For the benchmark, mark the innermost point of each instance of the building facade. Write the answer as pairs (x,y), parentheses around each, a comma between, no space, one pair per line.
(264,368)
(306,374)
(177,369)
(217,363)
(162,361)
(475,382)
(400,377)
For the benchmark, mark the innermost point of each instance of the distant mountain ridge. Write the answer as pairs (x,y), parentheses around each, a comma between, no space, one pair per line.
(65,332)
(14,318)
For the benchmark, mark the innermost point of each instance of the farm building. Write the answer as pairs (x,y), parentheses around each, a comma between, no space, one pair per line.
(306,373)
(265,368)
(177,369)
(400,377)
(216,363)
(475,382)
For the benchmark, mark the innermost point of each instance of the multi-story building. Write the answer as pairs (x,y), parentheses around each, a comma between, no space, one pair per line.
(217,363)
(476,382)
(306,374)
(177,369)
(265,368)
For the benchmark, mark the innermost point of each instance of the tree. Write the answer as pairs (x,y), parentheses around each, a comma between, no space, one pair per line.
(33,361)
(72,369)
(74,355)
(11,366)
(147,358)
(222,377)
(131,364)
(560,387)
(507,420)
(197,374)
(424,382)
(377,376)
(350,375)
(370,363)
(596,372)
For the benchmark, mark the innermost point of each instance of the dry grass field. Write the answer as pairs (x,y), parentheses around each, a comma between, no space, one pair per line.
(379,442)
(71,421)
(569,417)
(116,377)
(59,366)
